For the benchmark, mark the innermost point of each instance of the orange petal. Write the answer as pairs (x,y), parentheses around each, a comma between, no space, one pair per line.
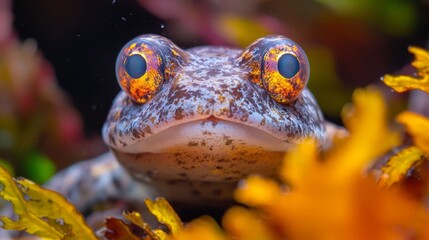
(257,191)
(242,223)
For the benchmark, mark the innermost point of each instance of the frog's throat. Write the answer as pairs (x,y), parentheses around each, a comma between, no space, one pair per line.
(207,135)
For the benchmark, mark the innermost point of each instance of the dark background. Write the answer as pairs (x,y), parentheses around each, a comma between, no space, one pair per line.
(81,39)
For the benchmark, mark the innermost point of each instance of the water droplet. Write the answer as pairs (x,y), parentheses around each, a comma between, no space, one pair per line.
(162,26)
(124,19)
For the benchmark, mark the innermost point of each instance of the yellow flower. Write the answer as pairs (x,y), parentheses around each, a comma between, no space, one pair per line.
(330,197)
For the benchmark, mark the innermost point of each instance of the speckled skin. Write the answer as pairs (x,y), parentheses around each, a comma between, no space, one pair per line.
(209,94)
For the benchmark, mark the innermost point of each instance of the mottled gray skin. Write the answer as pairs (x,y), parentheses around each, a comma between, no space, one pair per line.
(207,127)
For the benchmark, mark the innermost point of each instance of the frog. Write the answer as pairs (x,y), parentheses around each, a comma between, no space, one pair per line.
(188,125)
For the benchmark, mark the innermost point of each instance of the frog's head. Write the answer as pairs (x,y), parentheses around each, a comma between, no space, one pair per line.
(200,120)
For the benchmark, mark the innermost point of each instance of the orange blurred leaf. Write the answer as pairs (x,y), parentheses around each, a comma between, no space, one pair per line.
(198,229)
(257,191)
(245,224)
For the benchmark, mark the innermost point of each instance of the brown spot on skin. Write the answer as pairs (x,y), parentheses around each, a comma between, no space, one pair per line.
(152,119)
(244,117)
(179,114)
(137,133)
(205,132)
(193,144)
(147,130)
(184,175)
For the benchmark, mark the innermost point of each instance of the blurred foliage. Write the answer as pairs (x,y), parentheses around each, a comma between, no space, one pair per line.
(40,162)
(398,17)
(40,211)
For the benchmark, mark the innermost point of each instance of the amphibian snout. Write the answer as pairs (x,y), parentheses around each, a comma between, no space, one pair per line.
(190,123)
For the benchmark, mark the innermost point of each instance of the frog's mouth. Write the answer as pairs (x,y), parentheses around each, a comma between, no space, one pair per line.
(208,135)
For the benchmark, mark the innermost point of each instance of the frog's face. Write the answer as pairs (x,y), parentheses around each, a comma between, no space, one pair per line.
(197,121)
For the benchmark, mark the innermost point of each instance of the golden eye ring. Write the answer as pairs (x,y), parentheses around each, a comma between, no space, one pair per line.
(139,70)
(285,71)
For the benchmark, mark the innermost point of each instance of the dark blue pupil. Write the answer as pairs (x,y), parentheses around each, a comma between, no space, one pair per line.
(135,66)
(288,65)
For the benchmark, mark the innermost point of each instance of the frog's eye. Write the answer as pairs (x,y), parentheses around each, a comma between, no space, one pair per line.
(285,70)
(139,69)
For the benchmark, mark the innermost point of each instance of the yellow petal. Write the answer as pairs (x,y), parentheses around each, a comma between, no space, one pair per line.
(421,61)
(418,127)
(38,213)
(165,214)
(400,164)
(405,83)
(50,204)
(257,191)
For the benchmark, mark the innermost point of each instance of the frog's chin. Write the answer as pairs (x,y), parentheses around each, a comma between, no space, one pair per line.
(208,135)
